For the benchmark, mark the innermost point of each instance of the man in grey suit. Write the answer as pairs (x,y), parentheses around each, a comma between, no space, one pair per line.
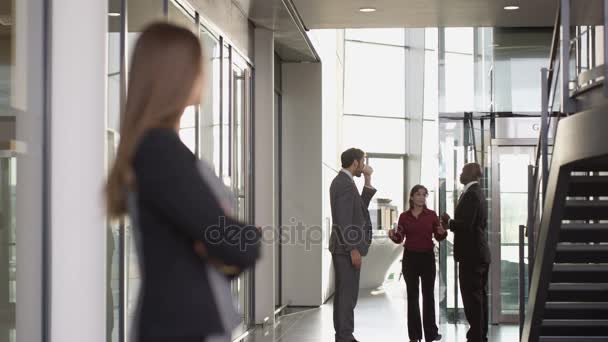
(350,238)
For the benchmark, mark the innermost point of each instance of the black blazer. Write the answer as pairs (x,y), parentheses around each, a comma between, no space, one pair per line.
(469,226)
(176,207)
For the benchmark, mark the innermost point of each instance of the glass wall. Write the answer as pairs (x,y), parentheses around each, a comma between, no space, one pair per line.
(374,117)
(8,262)
(217,131)
(22,120)
(519,56)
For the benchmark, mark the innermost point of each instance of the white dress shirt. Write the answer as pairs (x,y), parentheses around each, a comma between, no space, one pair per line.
(466,188)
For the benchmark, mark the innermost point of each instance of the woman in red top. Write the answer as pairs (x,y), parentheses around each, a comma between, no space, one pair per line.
(417,227)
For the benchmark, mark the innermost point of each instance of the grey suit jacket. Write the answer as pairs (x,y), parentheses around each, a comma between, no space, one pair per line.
(351,224)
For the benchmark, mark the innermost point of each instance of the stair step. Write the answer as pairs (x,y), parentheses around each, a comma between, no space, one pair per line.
(574,327)
(586,210)
(580,273)
(581,253)
(588,186)
(584,232)
(588,292)
(576,310)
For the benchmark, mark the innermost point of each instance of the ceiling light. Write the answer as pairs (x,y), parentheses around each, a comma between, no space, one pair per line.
(367,9)
(511,8)
(113,14)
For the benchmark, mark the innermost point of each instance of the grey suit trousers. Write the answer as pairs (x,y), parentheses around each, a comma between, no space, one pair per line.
(345,297)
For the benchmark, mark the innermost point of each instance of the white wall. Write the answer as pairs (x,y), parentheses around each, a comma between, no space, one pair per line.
(78,232)
(302,193)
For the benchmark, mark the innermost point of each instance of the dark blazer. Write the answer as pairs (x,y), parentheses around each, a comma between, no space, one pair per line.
(469,226)
(352,226)
(175,207)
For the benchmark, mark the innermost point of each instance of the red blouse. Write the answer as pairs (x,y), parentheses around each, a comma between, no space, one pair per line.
(418,232)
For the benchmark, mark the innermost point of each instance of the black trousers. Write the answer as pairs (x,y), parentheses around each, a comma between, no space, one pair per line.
(419,267)
(474,290)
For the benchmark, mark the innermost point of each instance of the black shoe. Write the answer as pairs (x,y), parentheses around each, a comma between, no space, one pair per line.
(436,338)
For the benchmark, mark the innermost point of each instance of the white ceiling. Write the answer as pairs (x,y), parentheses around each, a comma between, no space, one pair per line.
(318,14)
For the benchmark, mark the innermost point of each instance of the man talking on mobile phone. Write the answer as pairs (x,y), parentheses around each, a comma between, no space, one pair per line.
(350,238)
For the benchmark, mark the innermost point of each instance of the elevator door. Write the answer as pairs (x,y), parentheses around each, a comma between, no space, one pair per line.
(510,210)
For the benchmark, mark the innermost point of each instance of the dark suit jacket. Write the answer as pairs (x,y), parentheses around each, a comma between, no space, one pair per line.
(469,226)
(175,207)
(352,227)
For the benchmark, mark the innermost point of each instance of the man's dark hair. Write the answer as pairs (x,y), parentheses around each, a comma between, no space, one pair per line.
(349,156)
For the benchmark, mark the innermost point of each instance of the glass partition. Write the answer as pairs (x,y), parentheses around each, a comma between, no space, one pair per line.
(22,165)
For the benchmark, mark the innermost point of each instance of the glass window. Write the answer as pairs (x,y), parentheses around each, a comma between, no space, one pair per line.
(431,37)
(459,40)
(459,79)
(375,134)
(430,155)
(226,116)
(389,180)
(209,139)
(518,84)
(374,80)
(431,85)
(377,35)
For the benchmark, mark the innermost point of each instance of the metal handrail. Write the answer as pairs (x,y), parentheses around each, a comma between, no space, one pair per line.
(548,89)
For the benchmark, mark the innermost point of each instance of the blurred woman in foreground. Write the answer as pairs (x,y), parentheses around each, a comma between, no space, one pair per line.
(179,221)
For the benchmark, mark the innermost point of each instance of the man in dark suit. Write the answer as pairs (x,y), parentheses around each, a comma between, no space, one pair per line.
(471,251)
(350,237)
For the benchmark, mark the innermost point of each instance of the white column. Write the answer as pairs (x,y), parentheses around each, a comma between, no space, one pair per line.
(78,233)
(302,195)
(264,172)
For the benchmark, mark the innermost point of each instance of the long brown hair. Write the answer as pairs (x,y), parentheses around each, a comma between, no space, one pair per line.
(167,62)
(414,191)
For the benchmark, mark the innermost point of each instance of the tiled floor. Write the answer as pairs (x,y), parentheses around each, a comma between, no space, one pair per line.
(379,316)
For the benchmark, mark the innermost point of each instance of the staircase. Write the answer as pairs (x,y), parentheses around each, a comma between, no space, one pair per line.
(568,291)
(576,308)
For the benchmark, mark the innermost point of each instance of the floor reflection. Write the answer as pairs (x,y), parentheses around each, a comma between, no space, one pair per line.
(380,316)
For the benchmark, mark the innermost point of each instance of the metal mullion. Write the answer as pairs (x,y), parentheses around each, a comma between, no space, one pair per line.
(230,113)
(405,46)
(376,116)
(221,123)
